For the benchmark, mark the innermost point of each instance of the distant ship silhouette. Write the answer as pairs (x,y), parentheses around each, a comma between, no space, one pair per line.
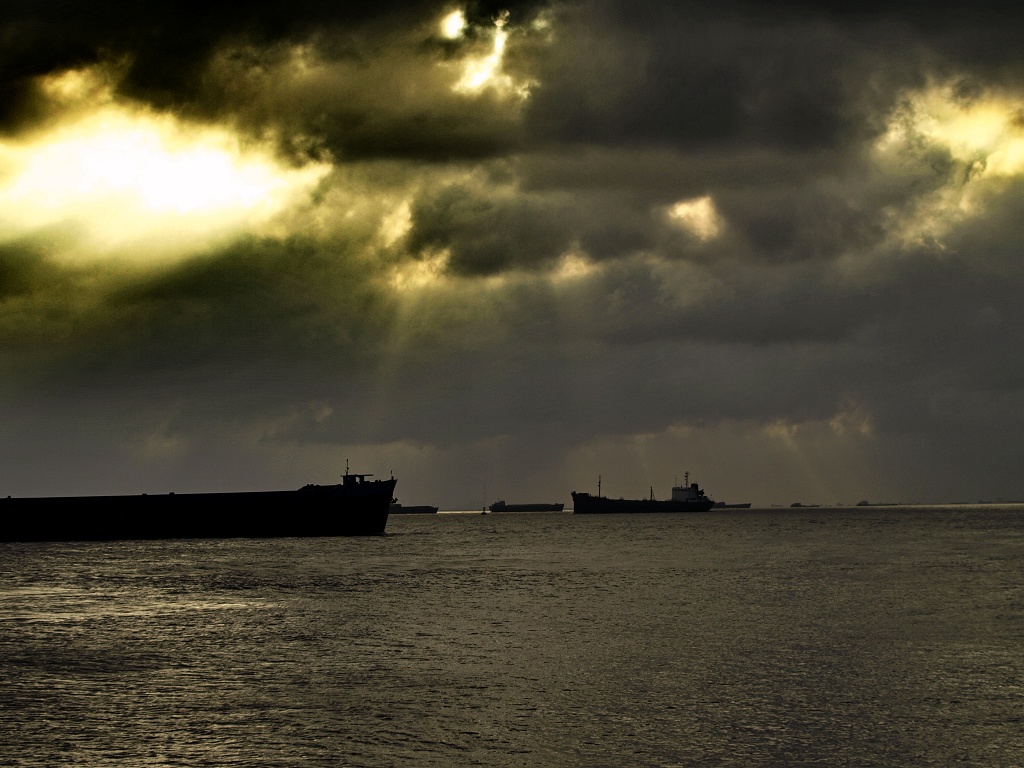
(415,509)
(685,498)
(501,506)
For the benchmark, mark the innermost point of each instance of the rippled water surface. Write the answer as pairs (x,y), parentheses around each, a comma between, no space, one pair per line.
(826,637)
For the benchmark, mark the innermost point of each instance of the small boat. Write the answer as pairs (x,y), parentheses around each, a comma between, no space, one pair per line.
(723,505)
(501,506)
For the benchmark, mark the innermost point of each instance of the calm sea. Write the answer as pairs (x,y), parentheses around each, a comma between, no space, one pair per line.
(816,637)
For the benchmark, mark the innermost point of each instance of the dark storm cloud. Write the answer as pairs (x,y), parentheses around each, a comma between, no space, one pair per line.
(486,234)
(170,42)
(846,291)
(677,74)
(393,102)
(780,76)
(809,86)
(704,84)
(260,303)
(376,93)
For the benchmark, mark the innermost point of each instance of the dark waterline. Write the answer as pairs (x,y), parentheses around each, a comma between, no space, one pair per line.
(852,637)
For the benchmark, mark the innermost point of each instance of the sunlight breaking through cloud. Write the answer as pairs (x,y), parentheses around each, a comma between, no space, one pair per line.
(453,25)
(573,266)
(697,216)
(983,137)
(480,73)
(120,176)
(422,274)
(396,225)
(987,129)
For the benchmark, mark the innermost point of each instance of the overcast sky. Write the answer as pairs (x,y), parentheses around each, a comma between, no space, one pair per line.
(500,250)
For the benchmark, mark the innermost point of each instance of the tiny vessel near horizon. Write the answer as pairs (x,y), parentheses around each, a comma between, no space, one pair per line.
(723,505)
(688,497)
(501,506)
(354,507)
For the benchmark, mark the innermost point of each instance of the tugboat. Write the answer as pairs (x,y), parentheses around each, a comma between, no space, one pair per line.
(354,507)
(685,498)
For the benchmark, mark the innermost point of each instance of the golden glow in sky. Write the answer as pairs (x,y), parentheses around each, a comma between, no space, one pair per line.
(983,135)
(480,73)
(453,24)
(419,275)
(988,129)
(121,177)
(698,216)
(573,266)
(396,225)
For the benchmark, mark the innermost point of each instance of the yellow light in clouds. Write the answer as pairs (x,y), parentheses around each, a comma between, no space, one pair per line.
(573,266)
(422,274)
(92,84)
(453,24)
(986,129)
(396,225)
(122,177)
(983,134)
(484,72)
(698,216)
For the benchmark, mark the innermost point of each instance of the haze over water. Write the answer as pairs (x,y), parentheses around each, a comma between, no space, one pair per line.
(831,637)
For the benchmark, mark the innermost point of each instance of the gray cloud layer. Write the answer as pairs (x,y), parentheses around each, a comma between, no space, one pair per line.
(807,349)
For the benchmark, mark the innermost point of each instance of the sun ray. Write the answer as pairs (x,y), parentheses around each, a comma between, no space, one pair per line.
(481,73)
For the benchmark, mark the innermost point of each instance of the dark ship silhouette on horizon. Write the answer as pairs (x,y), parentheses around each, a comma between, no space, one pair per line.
(688,497)
(414,509)
(354,507)
(502,506)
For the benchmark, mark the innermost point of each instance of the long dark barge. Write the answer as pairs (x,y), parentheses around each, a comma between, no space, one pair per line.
(414,509)
(354,507)
(685,498)
(501,506)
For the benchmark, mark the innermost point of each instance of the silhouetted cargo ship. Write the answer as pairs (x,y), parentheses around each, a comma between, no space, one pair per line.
(354,507)
(685,498)
(501,506)
(415,509)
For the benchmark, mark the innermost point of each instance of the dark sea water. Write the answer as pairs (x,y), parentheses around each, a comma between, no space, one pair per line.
(815,637)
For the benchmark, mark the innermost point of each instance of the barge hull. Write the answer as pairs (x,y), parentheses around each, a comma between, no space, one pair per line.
(343,510)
